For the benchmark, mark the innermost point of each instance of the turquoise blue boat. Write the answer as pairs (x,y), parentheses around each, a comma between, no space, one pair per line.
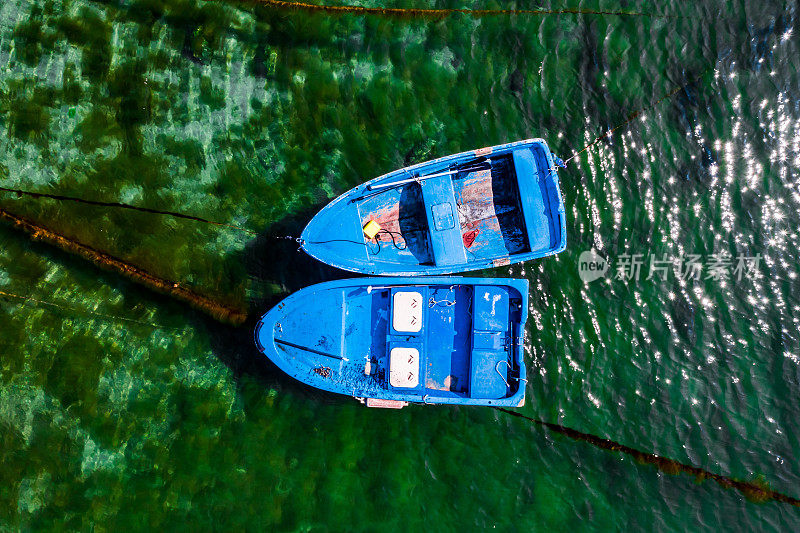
(478,209)
(393,341)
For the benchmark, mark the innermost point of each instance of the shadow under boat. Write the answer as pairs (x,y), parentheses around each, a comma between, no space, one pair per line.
(276,269)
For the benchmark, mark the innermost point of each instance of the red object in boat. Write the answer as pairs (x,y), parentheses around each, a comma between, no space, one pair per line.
(469,237)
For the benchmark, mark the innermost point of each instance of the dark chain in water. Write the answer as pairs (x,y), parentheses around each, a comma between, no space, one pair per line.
(754,491)
(441,13)
(59,197)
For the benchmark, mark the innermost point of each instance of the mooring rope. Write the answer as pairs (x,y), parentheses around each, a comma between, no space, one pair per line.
(633,116)
(753,491)
(441,13)
(32,194)
(44,304)
(218,310)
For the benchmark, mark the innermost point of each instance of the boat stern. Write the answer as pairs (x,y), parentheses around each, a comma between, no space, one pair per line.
(542,203)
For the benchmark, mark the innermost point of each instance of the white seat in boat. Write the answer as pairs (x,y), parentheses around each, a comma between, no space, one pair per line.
(407,312)
(404,367)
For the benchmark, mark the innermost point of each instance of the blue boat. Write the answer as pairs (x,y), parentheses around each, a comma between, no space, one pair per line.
(391,341)
(478,209)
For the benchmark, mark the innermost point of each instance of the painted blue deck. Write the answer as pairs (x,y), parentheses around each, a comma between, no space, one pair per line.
(476,218)
(444,230)
(469,341)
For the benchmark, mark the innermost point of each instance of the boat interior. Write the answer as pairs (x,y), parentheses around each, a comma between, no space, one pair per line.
(490,208)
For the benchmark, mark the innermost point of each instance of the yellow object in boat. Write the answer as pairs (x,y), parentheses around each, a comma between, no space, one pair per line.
(371,229)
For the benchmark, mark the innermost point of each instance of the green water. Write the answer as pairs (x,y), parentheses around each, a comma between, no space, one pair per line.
(121,408)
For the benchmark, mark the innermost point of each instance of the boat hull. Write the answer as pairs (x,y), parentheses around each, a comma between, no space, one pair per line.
(469,219)
(445,340)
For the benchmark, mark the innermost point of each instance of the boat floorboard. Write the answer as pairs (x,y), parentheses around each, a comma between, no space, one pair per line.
(401,212)
(447,351)
(489,211)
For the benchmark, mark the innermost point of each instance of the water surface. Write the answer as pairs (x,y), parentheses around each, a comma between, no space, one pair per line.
(122,408)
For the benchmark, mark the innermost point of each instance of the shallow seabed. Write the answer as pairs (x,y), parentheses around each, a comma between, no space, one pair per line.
(122,408)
